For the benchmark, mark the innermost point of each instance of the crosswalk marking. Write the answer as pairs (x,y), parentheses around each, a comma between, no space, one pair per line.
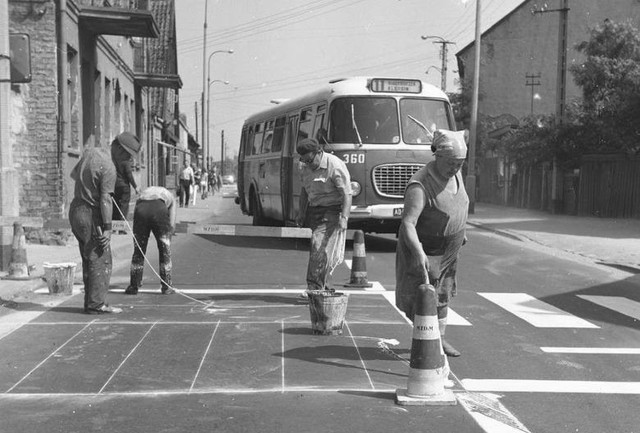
(594,350)
(453,318)
(550,386)
(620,304)
(537,313)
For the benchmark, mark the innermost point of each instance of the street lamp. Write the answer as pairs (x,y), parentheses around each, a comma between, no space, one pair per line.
(205,144)
(209,83)
(443,70)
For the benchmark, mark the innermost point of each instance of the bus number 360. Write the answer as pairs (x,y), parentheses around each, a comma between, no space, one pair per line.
(354,158)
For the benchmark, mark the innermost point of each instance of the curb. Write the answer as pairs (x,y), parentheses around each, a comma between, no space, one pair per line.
(505,233)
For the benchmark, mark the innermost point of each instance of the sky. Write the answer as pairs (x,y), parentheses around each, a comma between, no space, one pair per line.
(284,48)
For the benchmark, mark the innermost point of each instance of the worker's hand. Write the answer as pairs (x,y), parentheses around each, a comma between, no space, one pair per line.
(343,222)
(136,191)
(300,220)
(464,241)
(105,239)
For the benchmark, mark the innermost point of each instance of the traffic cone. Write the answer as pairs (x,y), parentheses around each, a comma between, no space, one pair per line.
(359,262)
(427,369)
(18,266)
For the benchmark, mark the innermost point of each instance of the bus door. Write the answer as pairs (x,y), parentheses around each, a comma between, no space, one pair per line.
(289,174)
(271,149)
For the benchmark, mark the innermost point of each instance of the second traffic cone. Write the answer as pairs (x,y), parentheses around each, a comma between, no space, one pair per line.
(427,369)
(359,262)
(18,266)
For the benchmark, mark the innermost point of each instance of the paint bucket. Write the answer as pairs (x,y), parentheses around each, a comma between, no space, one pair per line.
(328,309)
(59,277)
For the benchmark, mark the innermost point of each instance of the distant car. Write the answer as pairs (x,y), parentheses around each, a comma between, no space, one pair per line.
(228,179)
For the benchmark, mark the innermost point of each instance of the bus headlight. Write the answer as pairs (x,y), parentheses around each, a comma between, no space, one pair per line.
(356,189)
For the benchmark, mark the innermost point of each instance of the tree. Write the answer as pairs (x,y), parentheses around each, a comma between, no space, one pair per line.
(610,82)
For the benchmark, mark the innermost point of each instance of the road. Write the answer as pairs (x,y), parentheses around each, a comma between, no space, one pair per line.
(549,345)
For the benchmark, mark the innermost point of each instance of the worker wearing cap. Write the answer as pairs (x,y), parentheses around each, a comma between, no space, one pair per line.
(90,218)
(325,203)
(123,149)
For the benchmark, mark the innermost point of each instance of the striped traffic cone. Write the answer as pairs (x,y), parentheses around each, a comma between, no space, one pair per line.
(18,266)
(427,369)
(359,262)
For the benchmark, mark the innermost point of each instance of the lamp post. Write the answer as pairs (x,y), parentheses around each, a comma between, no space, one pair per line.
(209,83)
(205,147)
(443,70)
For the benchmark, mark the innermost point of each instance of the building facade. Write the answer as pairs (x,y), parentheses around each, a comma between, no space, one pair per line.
(94,73)
(520,76)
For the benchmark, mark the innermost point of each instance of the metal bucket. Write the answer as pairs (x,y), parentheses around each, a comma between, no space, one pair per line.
(328,310)
(59,277)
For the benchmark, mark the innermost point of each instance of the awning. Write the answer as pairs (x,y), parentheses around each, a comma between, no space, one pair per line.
(192,143)
(173,147)
(119,21)
(171,81)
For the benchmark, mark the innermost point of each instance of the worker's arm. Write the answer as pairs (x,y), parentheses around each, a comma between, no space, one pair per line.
(302,207)
(414,203)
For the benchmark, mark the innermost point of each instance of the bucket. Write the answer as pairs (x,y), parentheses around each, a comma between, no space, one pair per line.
(327,309)
(59,277)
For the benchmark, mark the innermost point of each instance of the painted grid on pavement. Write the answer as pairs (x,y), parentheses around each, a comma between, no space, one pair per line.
(243,343)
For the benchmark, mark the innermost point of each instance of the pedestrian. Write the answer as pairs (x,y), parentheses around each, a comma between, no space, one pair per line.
(213,176)
(90,216)
(186,180)
(325,203)
(433,229)
(123,149)
(155,212)
(197,174)
(204,180)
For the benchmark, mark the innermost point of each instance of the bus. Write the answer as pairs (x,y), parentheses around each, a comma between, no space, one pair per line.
(380,127)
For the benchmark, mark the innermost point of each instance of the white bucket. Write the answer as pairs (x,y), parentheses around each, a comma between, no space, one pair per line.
(59,277)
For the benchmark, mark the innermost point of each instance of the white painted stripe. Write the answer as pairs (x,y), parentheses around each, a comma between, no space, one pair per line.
(248,291)
(620,304)
(204,356)
(453,318)
(537,313)
(348,263)
(551,386)
(364,365)
(491,425)
(50,355)
(594,350)
(489,413)
(126,358)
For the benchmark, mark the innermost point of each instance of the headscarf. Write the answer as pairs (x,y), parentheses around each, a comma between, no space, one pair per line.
(449,144)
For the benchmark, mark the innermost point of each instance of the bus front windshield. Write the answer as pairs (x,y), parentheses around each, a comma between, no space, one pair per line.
(374,120)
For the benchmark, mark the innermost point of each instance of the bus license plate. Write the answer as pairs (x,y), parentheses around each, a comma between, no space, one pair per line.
(397,211)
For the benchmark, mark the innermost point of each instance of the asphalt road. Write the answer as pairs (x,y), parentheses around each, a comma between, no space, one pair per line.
(237,353)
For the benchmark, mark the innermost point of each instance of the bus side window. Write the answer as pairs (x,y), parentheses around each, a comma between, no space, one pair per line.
(319,132)
(278,134)
(305,130)
(249,142)
(257,139)
(266,144)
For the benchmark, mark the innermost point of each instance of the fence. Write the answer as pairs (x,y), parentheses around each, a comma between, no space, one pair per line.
(605,185)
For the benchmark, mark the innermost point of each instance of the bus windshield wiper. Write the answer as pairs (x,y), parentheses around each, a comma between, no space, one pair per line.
(421,125)
(354,125)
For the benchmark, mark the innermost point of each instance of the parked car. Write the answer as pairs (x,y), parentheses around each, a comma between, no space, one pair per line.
(228,179)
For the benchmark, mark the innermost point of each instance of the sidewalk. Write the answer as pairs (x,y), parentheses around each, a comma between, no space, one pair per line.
(613,242)
(605,241)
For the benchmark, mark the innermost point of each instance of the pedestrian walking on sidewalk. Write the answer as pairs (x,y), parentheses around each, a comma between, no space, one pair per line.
(204,184)
(186,180)
(90,215)
(123,149)
(197,175)
(155,212)
(432,231)
(325,203)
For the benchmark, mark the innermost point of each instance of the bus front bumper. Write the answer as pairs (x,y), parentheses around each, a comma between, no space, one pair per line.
(376,212)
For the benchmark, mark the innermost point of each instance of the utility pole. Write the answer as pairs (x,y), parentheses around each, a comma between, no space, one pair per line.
(533,80)
(222,153)
(443,52)
(473,124)
(561,88)
(196,104)
(204,75)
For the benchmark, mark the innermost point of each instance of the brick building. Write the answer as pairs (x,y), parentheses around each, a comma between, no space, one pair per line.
(98,67)
(519,77)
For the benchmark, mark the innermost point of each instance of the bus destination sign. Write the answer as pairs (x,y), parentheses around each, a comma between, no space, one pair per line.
(395,86)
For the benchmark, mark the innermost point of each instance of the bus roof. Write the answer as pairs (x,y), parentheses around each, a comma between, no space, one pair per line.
(354,86)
